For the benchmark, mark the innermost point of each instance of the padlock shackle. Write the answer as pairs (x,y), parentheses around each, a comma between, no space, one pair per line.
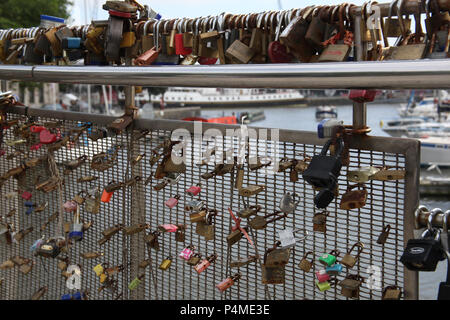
(327,145)
(360,246)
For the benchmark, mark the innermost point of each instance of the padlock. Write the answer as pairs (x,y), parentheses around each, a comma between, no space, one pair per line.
(354,199)
(198,216)
(151,240)
(78,198)
(51,248)
(425,253)
(186,253)
(242,262)
(27,267)
(392,293)
(305,264)
(328,259)
(315,34)
(260,222)
(273,275)
(92,202)
(392,27)
(234,237)
(361,175)
(91,255)
(284,164)
(39,294)
(287,203)
(166,263)
(334,270)
(200,267)
(168,227)
(194,190)
(348,260)
(293,36)
(384,234)
(35,246)
(109,191)
(172,202)
(362,95)
(108,233)
(22,233)
(276,257)
(278,52)
(322,276)
(324,286)
(207,230)
(228,282)
(320,221)
(350,286)
(26,195)
(136,281)
(76,232)
(323,171)
(251,190)
(194,205)
(8,264)
(144,264)
(287,239)
(194,259)
(249,211)
(180,235)
(18,260)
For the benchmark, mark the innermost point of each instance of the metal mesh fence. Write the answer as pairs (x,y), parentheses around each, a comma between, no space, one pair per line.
(142,204)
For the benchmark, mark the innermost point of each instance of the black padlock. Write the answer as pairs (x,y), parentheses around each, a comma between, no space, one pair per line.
(425,253)
(324,198)
(51,248)
(323,171)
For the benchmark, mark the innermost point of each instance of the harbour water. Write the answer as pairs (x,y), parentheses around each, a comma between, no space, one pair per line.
(304,119)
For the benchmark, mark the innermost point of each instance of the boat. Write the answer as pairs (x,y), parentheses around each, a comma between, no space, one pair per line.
(434,186)
(228,98)
(251,116)
(429,129)
(399,127)
(225,120)
(326,112)
(435,151)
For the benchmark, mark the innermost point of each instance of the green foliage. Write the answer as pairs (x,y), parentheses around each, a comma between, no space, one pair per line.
(26,13)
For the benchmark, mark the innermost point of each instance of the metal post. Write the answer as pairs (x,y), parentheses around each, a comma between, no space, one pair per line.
(359,109)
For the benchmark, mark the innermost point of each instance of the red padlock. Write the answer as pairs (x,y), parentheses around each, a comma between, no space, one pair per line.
(36,147)
(278,53)
(26,195)
(168,227)
(205,61)
(194,190)
(106,196)
(180,49)
(322,276)
(2,152)
(172,202)
(120,14)
(46,137)
(37,129)
(362,95)
(228,282)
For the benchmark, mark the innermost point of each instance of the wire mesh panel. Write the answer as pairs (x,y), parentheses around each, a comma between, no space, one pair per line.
(387,204)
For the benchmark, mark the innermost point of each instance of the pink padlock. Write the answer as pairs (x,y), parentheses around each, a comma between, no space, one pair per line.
(168,228)
(70,206)
(26,195)
(362,95)
(194,190)
(228,282)
(322,276)
(187,253)
(172,202)
(205,263)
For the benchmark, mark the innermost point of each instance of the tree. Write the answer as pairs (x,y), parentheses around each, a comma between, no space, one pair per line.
(26,13)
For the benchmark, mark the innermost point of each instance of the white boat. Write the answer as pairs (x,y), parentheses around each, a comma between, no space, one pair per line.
(429,129)
(399,127)
(326,112)
(435,151)
(220,97)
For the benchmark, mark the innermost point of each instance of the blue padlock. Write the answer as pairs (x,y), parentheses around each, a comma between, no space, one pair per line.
(30,207)
(334,269)
(78,295)
(71,43)
(67,296)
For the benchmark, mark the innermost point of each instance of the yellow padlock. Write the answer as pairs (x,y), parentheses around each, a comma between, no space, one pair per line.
(128,39)
(103,277)
(98,269)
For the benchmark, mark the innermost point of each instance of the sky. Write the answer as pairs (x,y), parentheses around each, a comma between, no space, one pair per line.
(194,8)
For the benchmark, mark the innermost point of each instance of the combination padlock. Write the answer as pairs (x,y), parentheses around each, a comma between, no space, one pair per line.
(328,259)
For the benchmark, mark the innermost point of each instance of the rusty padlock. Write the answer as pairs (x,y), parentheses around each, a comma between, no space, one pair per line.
(354,199)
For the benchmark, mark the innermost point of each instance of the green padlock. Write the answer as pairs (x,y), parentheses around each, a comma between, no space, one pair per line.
(328,259)
(133,284)
(324,286)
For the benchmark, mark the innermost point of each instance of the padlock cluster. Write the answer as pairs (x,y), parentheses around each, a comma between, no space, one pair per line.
(313,34)
(321,171)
